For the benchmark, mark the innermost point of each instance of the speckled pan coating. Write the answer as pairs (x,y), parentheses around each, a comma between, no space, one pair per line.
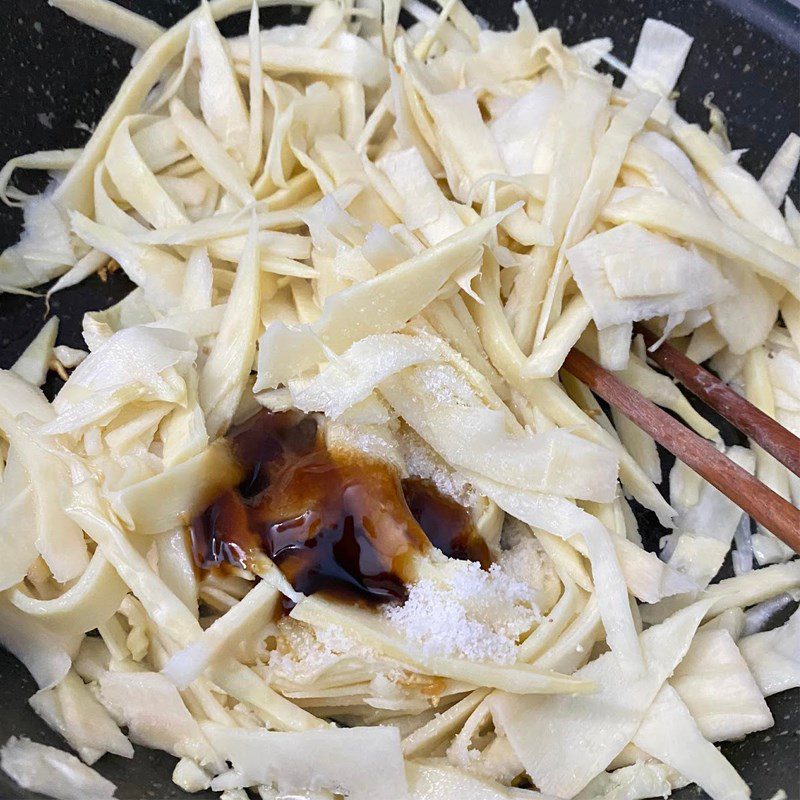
(57,78)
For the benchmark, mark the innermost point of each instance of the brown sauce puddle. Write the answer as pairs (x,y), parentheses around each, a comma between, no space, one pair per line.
(331,521)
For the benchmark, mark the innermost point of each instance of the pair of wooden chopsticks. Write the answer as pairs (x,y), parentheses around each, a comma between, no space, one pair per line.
(758,500)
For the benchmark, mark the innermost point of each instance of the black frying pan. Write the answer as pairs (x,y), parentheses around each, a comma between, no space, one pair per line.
(58,76)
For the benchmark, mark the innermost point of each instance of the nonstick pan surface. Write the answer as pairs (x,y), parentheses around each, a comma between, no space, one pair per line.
(58,77)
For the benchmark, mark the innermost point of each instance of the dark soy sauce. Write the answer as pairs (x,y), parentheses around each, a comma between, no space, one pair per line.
(446,523)
(330,520)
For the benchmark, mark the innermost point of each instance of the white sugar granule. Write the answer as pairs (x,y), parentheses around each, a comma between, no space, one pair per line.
(374,441)
(422,462)
(524,559)
(303,653)
(470,613)
(445,385)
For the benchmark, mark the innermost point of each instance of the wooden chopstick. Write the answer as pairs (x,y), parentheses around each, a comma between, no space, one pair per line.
(750,420)
(767,507)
